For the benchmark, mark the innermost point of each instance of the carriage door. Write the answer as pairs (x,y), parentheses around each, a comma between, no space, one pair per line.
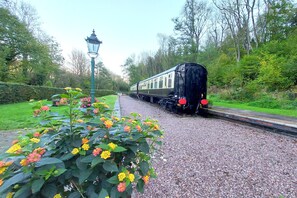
(192,86)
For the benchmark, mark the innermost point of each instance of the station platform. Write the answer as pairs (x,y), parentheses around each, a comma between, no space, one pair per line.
(283,124)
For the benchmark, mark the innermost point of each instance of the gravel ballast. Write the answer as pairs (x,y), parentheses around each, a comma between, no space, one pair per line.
(207,157)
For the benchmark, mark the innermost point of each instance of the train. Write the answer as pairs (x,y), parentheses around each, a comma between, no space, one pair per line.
(180,89)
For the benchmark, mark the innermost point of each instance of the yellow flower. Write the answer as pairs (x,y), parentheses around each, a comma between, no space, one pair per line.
(67,88)
(35,140)
(75,151)
(80,121)
(14,148)
(131,177)
(146,179)
(156,127)
(78,89)
(105,154)
(9,195)
(85,147)
(112,145)
(57,196)
(107,197)
(106,106)
(121,176)
(2,169)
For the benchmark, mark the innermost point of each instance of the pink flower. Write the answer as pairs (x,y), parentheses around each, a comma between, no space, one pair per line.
(45,108)
(97,151)
(122,187)
(33,157)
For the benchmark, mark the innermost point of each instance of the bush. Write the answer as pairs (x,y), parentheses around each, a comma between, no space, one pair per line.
(88,153)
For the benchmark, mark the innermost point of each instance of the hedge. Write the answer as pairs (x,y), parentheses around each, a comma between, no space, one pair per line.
(14,92)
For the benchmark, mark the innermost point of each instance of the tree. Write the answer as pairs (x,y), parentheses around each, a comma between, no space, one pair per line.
(191,25)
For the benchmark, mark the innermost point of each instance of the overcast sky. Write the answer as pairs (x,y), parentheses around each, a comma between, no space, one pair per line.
(125,27)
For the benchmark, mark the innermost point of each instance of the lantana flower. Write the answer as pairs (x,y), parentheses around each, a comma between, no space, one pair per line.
(146,179)
(121,176)
(108,124)
(44,108)
(84,141)
(85,147)
(127,129)
(105,154)
(112,145)
(1,182)
(35,140)
(122,187)
(131,177)
(14,148)
(97,151)
(138,128)
(75,151)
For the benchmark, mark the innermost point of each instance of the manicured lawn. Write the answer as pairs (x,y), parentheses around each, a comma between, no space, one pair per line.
(20,116)
(245,106)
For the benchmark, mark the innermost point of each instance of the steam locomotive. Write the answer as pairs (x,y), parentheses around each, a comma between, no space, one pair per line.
(179,89)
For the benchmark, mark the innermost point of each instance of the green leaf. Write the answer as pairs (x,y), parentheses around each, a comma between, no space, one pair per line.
(88,158)
(133,148)
(113,180)
(110,166)
(114,193)
(140,185)
(144,167)
(96,161)
(48,160)
(104,146)
(49,190)
(80,165)
(144,147)
(13,180)
(74,195)
(103,193)
(36,185)
(119,149)
(23,192)
(83,175)
(67,156)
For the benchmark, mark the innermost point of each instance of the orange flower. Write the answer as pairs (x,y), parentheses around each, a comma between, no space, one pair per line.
(40,151)
(103,119)
(127,129)
(1,182)
(122,187)
(108,124)
(138,128)
(84,141)
(96,111)
(24,162)
(146,179)
(147,123)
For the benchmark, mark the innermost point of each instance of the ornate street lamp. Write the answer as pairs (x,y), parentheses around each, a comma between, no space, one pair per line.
(93,47)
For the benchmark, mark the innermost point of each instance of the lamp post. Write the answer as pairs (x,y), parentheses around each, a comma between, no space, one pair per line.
(93,47)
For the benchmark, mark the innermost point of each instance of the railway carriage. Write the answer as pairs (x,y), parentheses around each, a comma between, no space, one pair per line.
(179,89)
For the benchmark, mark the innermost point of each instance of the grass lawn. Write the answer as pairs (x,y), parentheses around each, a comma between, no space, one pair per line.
(20,116)
(245,106)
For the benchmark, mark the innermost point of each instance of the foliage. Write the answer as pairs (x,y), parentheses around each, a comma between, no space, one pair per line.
(81,154)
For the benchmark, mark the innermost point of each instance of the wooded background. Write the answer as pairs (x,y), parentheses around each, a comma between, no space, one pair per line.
(249,48)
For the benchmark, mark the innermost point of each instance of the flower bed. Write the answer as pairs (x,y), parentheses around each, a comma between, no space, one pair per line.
(88,153)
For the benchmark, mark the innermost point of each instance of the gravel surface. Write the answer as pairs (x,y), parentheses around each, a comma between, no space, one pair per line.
(207,157)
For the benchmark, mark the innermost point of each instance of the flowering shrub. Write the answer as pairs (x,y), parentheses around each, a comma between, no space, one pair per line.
(86,102)
(81,155)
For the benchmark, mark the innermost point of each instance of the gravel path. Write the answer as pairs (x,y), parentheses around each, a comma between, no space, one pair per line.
(206,157)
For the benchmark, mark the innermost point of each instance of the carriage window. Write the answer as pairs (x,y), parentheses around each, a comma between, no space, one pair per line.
(165,82)
(151,84)
(155,83)
(169,80)
(161,82)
